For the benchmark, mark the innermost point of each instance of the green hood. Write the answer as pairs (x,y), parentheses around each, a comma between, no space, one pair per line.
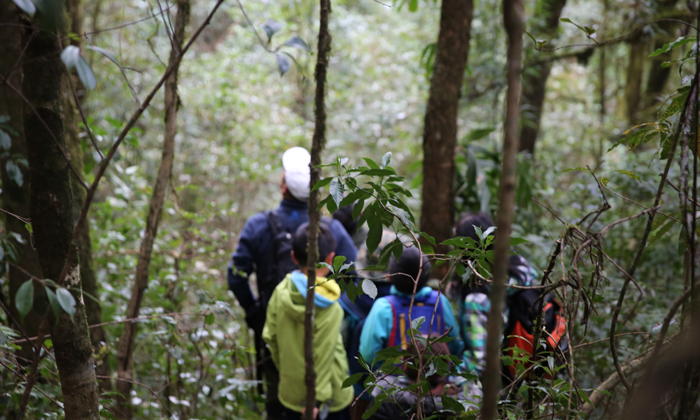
(284,334)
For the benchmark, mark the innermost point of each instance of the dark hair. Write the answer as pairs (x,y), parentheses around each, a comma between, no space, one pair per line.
(405,269)
(435,349)
(466,225)
(326,243)
(344,216)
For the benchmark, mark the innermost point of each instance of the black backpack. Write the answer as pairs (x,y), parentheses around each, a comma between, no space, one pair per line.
(280,257)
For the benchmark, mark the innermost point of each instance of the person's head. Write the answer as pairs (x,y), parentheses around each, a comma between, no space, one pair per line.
(435,350)
(326,245)
(405,270)
(297,174)
(466,225)
(344,216)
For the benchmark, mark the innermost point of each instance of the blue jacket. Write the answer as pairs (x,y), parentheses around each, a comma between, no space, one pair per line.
(380,322)
(256,239)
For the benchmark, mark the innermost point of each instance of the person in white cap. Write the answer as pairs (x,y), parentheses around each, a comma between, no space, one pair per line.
(264,247)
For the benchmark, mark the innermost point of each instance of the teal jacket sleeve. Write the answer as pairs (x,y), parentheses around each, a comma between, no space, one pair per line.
(457,345)
(377,329)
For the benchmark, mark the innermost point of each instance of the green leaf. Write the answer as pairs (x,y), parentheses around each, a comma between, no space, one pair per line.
(604,180)
(53,301)
(481,133)
(372,164)
(282,63)
(14,173)
(418,322)
(3,338)
(357,209)
(298,43)
(386,159)
(29,228)
(351,291)
(86,75)
(671,45)
(369,288)
(378,172)
(322,183)
(659,233)
(5,140)
(210,319)
(70,56)
(451,404)
(412,5)
(629,174)
(338,262)
(676,104)
(573,169)
(271,27)
(66,300)
(375,234)
(352,379)
(24,299)
(27,6)
(531,37)
(337,190)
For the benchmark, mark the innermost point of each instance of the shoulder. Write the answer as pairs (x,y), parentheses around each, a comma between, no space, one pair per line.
(336,228)
(256,224)
(381,305)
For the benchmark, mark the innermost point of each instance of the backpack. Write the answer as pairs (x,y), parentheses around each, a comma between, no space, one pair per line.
(281,257)
(519,333)
(421,307)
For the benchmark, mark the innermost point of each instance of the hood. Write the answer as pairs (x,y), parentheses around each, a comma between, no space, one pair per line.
(294,294)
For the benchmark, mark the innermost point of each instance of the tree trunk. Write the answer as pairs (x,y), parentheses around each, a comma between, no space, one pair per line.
(658,76)
(535,77)
(126,342)
(440,131)
(15,190)
(84,243)
(317,143)
(52,219)
(513,21)
(635,75)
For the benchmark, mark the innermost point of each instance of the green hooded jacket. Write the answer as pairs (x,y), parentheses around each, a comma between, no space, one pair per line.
(284,334)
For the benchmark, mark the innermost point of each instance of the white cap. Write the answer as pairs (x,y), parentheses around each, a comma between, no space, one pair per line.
(297,173)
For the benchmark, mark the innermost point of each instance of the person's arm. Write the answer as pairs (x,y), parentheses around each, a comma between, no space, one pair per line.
(377,329)
(242,264)
(477,307)
(269,333)
(457,345)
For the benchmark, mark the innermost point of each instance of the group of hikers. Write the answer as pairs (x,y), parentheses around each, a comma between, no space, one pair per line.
(273,247)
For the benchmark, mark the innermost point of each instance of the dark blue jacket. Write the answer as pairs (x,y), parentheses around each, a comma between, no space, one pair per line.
(256,239)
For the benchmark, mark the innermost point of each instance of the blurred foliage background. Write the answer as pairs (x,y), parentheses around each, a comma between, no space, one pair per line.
(237,115)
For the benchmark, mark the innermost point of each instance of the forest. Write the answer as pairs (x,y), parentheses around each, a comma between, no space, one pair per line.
(517,179)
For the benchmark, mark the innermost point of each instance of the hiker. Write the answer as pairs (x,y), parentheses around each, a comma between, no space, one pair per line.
(518,313)
(388,322)
(403,404)
(284,334)
(264,247)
